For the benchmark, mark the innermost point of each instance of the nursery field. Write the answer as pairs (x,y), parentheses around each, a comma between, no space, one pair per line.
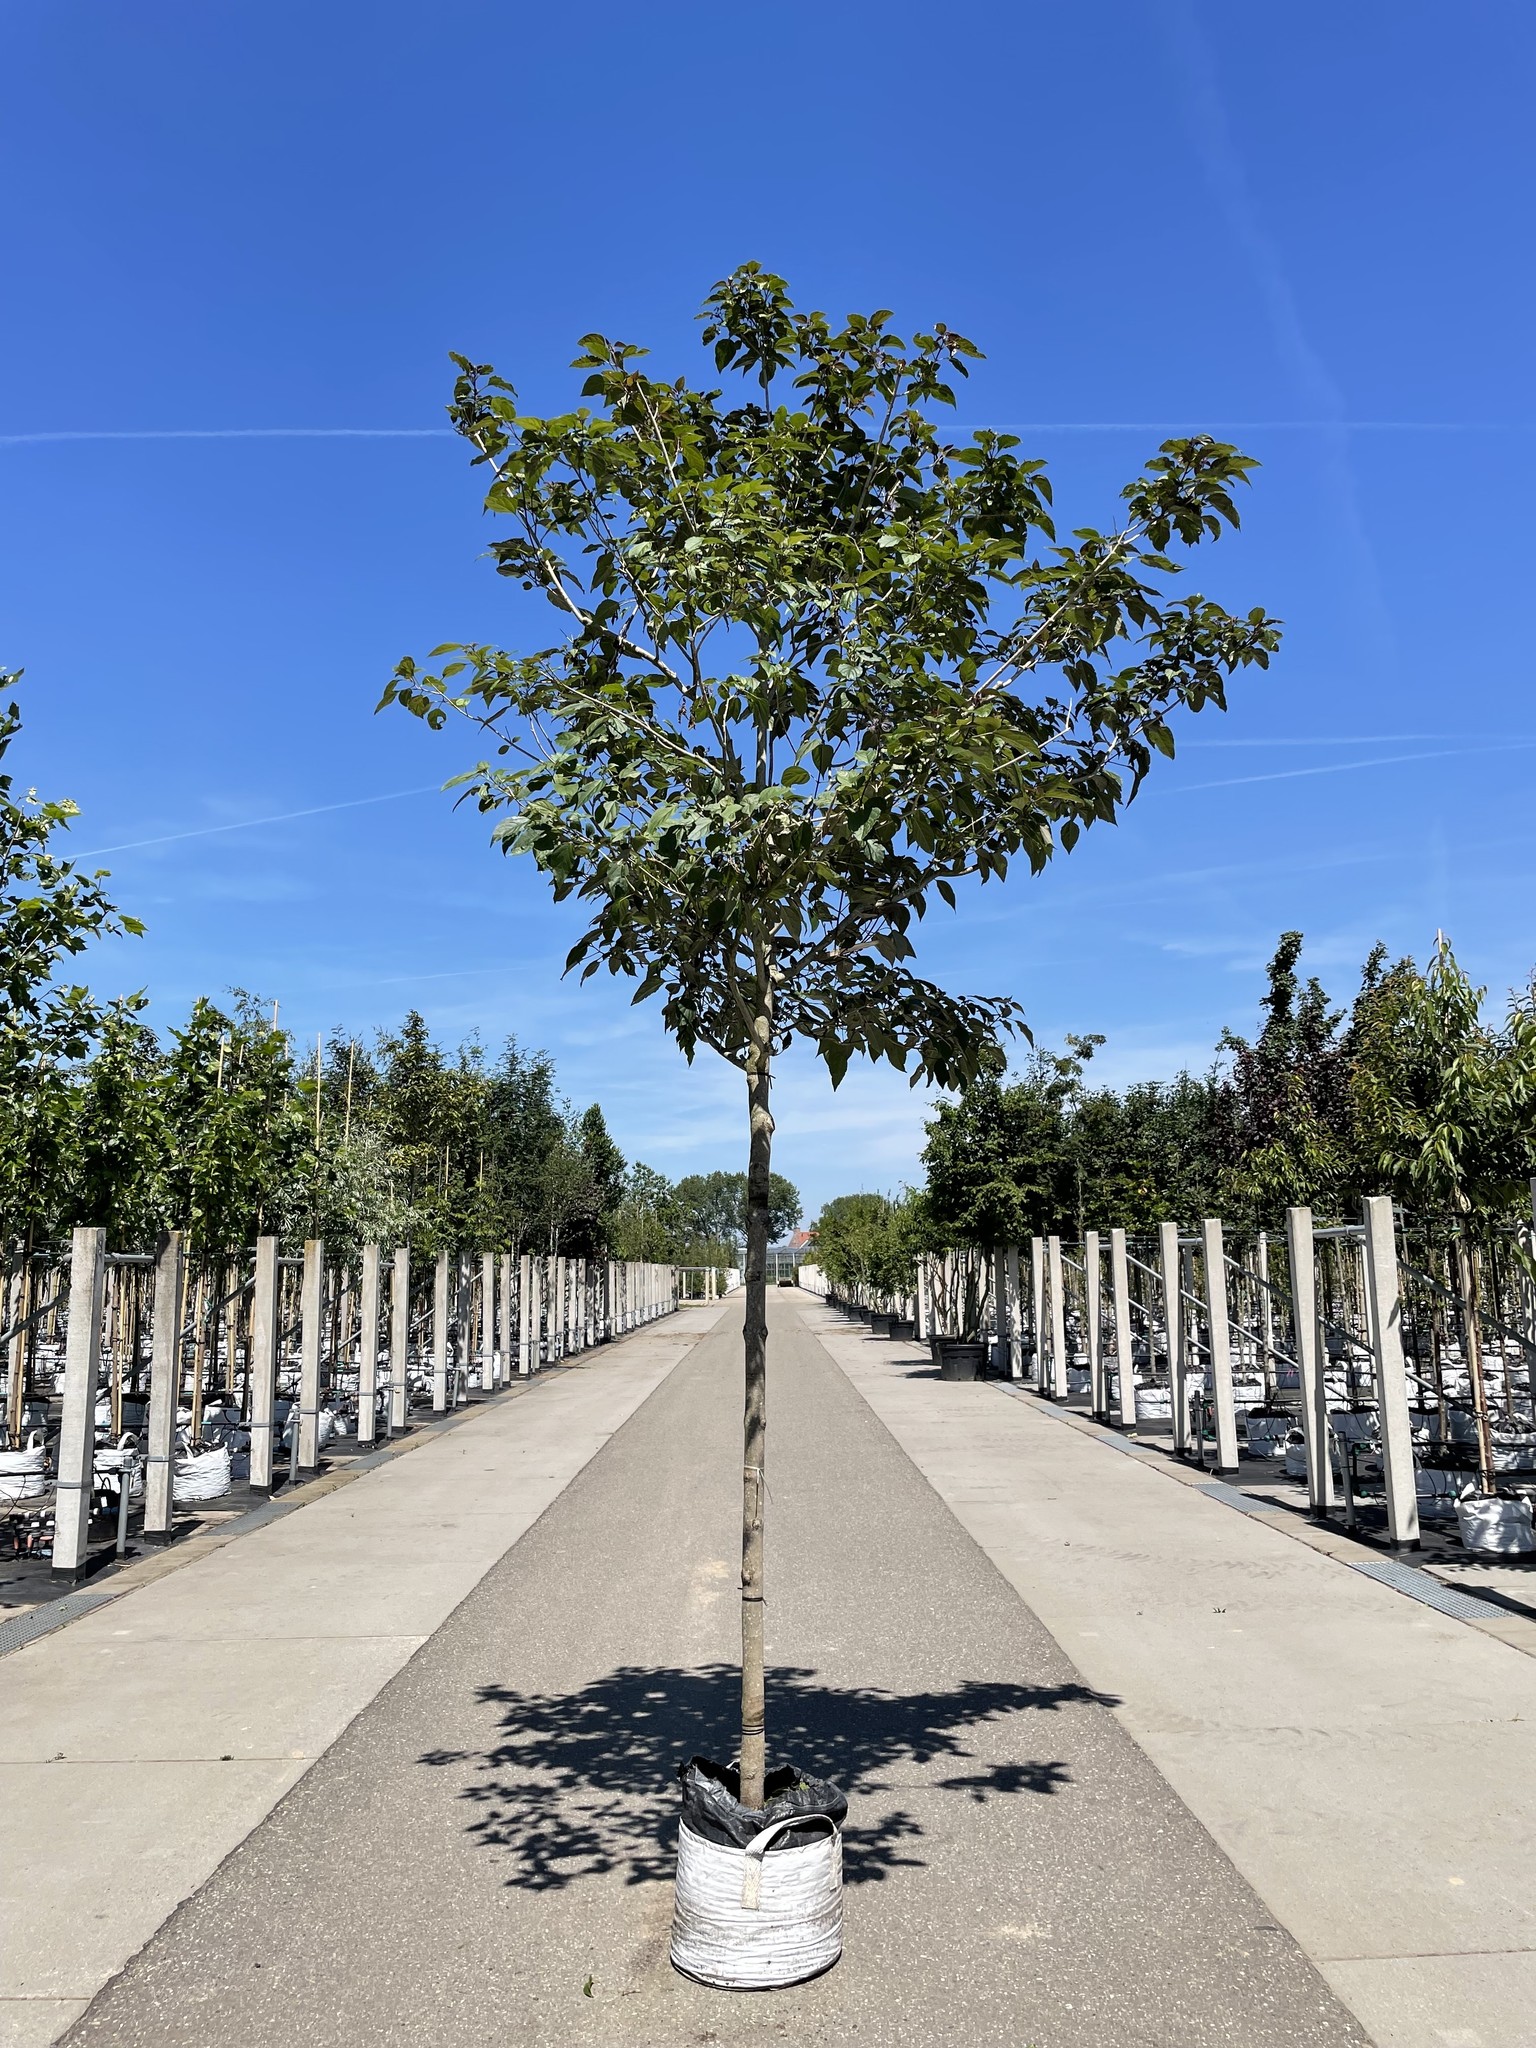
(1121,1762)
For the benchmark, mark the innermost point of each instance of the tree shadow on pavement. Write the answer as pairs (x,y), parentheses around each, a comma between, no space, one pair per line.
(584,1784)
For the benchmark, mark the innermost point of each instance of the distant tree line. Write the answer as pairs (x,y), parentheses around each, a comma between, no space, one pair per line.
(226,1128)
(1413,1090)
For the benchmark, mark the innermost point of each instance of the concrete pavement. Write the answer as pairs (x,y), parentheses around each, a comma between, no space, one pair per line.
(1368,1764)
(485,1853)
(142,1743)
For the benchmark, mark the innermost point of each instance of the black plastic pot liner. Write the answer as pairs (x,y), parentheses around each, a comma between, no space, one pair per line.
(712,1806)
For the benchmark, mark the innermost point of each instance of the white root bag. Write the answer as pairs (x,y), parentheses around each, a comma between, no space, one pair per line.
(24,1473)
(748,1921)
(201,1475)
(1502,1528)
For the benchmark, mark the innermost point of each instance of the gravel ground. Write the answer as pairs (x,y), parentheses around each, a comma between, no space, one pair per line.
(485,1856)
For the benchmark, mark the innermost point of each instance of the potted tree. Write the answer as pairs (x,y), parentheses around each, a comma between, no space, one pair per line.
(816,665)
(1443,1102)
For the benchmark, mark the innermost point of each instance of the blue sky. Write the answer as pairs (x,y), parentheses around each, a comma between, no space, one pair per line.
(1305,227)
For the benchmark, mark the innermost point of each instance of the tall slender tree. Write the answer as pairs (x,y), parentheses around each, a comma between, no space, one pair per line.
(817,663)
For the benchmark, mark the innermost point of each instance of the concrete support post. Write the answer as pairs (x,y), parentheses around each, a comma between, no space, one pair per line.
(1214,1255)
(464,1302)
(524,1315)
(506,1330)
(1037,1309)
(265,1336)
(440,1314)
(1016,1315)
(1058,1386)
(164,1388)
(1381,1281)
(1093,1281)
(1266,1314)
(487,1322)
(400,1338)
(1002,1349)
(1120,1309)
(1173,1317)
(368,1345)
(1309,1358)
(311,1335)
(77,1434)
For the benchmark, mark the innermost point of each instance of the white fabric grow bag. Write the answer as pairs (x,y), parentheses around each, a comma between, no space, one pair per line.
(201,1475)
(108,1468)
(24,1474)
(325,1428)
(747,1921)
(1500,1527)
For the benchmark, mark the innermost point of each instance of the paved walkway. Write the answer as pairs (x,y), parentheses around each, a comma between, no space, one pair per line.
(145,1741)
(484,1854)
(1368,1764)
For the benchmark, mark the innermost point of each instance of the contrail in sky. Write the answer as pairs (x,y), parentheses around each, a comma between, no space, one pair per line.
(1347,767)
(391,796)
(355,803)
(231,434)
(970,427)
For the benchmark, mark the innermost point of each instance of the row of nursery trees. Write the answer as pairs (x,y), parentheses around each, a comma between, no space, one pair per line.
(227,1129)
(1415,1090)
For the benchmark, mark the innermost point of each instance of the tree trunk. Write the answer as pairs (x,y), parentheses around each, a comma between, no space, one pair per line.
(755,1432)
(1472,1342)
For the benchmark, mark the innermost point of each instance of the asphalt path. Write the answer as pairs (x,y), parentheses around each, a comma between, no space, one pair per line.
(485,1855)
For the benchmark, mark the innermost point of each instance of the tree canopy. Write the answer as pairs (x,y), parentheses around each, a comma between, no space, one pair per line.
(819,661)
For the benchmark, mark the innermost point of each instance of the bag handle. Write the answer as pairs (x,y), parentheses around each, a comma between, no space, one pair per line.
(757,1848)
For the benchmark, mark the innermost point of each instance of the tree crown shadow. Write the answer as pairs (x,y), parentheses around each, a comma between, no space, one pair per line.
(584,1784)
